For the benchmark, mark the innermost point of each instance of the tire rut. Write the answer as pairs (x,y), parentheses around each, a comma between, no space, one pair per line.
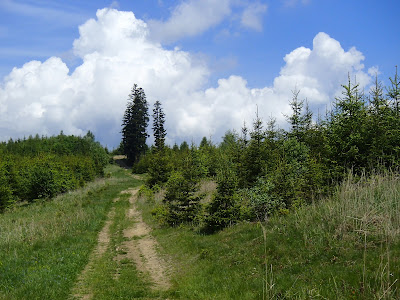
(139,247)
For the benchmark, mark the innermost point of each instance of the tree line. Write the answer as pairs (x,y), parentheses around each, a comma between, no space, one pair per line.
(43,167)
(263,169)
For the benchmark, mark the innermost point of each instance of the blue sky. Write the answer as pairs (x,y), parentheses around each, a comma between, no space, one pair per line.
(233,52)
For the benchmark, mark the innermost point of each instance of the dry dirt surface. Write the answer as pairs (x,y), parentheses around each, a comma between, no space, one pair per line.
(140,247)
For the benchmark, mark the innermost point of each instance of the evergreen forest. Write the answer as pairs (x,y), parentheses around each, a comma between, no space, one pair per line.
(43,167)
(264,170)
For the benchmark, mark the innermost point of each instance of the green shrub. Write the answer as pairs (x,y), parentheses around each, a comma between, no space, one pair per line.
(159,169)
(162,214)
(180,198)
(6,193)
(222,210)
(262,200)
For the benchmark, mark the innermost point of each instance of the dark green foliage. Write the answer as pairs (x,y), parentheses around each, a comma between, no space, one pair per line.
(180,199)
(37,168)
(263,201)
(6,192)
(184,146)
(158,126)
(222,210)
(134,125)
(254,155)
(159,169)
(347,136)
(394,93)
(263,171)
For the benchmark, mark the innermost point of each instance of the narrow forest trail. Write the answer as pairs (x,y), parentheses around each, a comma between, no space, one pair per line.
(137,246)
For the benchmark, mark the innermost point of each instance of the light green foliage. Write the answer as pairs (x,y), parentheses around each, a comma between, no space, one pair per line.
(159,169)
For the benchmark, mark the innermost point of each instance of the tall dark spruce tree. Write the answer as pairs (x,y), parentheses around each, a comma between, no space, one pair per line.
(134,125)
(160,168)
(158,126)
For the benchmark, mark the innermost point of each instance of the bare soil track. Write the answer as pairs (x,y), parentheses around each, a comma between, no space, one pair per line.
(139,246)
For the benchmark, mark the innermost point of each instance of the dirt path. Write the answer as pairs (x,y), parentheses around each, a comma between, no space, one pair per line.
(139,247)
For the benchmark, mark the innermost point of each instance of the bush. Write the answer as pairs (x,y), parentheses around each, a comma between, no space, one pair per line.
(159,169)
(180,200)
(6,193)
(222,210)
(262,201)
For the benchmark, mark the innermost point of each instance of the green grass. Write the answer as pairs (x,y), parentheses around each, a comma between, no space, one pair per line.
(345,247)
(101,280)
(45,245)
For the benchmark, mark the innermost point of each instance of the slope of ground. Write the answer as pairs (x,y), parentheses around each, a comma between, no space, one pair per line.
(346,247)
(99,243)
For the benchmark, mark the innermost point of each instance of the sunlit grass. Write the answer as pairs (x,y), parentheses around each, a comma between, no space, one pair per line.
(344,247)
(45,245)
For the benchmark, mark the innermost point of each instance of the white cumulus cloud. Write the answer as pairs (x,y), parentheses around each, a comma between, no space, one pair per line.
(117,51)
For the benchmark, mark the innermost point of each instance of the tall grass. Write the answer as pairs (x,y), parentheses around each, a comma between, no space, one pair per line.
(344,247)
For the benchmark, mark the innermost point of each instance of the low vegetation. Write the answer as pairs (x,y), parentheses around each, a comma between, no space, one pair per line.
(344,247)
(45,245)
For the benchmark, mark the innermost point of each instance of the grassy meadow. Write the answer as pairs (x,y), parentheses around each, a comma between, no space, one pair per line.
(344,247)
(45,245)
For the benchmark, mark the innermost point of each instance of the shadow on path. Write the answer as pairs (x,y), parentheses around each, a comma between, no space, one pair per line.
(121,161)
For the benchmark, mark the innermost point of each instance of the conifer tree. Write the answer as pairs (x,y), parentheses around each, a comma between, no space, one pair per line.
(394,93)
(134,125)
(158,126)
(379,123)
(254,155)
(347,130)
(160,167)
(300,122)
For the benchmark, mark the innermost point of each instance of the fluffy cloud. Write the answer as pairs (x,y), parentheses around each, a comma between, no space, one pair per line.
(320,71)
(116,51)
(189,19)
